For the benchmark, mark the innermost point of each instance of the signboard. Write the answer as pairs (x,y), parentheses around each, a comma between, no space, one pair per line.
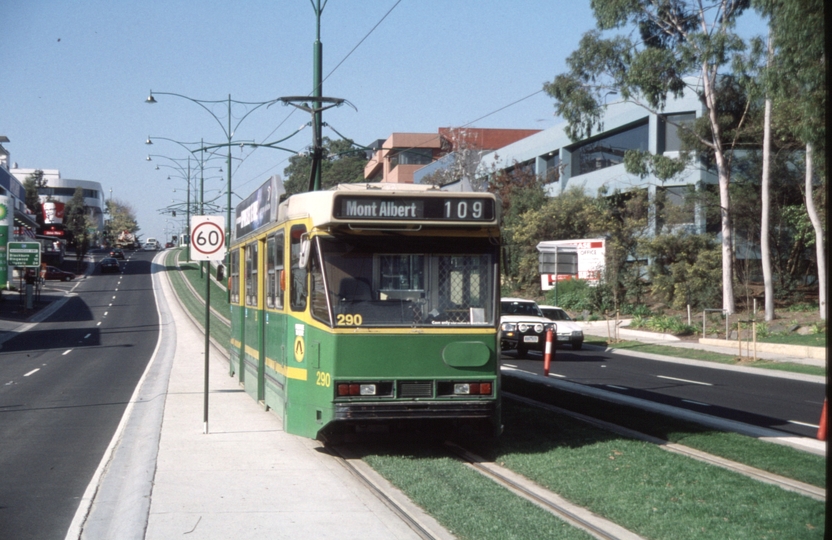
(354,207)
(24,254)
(590,260)
(258,209)
(207,238)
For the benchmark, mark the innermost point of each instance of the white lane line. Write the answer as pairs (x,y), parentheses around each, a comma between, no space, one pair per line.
(87,336)
(66,352)
(558,375)
(98,323)
(31,372)
(802,424)
(105,313)
(114,297)
(684,380)
(696,403)
(617,387)
(510,365)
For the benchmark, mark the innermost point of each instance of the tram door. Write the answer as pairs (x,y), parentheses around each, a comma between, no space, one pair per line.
(252,323)
(237,340)
(274,324)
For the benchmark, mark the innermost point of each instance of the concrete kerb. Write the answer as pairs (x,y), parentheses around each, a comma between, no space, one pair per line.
(770,435)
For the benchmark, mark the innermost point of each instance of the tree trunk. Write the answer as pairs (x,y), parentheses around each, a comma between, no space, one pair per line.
(813,216)
(765,250)
(724,176)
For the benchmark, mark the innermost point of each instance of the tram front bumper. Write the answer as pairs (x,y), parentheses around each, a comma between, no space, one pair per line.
(415,410)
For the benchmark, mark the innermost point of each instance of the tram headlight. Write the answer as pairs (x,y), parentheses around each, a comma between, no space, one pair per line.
(367,389)
(472,389)
(357,389)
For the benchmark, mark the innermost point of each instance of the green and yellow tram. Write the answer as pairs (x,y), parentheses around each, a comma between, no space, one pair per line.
(368,305)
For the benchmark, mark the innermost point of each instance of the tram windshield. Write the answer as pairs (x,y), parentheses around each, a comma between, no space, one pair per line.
(397,281)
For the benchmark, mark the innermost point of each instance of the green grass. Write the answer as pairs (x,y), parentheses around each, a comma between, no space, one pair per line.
(467,504)
(220,330)
(811,340)
(707,356)
(777,459)
(652,492)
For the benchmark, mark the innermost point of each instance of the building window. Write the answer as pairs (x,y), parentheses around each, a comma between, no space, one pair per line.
(552,160)
(609,150)
(672,141)
(413,156)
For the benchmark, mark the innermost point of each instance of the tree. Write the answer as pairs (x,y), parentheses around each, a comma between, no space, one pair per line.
(342,163)
(31,186)
(78,223)
(677,39)
(122,218)
(796,81)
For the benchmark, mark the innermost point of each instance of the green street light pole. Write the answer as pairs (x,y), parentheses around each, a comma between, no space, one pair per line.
(188,180)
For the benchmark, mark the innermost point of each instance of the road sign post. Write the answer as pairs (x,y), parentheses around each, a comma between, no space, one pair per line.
(207,244)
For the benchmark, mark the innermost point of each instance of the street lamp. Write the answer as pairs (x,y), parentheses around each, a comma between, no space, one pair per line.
(227,129)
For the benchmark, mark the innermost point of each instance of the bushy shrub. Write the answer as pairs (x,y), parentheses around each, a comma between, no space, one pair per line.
(572,294)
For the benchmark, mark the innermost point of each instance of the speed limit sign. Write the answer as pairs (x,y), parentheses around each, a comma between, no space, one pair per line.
(207,238)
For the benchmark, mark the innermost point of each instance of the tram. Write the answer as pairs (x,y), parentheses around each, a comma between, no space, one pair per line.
(368,307)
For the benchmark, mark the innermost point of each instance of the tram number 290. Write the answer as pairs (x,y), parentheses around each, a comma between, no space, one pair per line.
(348,319)
(323,378)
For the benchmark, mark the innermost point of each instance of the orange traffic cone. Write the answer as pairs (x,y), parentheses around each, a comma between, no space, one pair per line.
(822,426)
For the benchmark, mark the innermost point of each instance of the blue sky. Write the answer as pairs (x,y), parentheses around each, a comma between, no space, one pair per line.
(76,74)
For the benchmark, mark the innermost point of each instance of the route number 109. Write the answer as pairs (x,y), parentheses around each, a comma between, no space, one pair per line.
(463,209)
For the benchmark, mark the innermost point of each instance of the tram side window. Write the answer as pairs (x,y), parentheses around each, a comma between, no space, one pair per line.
(317,295)
(234,277)
(274,270)
(251,274)
(299,289)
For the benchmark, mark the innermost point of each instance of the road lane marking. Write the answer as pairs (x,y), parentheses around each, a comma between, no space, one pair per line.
(803,424)
(684,380)
(98,323)
(558,375)
(617,387)
(87,336)
(696,403)
(33,371)
(66,352)
(105,313)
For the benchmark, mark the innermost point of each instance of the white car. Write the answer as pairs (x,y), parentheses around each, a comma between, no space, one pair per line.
(522,326)
(568,330)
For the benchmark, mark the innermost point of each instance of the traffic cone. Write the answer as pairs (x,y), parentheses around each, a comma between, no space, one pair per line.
(822,426)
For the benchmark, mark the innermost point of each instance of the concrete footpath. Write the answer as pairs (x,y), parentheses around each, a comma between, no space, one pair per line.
(164,477)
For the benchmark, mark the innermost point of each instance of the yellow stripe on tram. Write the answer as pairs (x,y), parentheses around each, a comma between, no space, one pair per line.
(286,371)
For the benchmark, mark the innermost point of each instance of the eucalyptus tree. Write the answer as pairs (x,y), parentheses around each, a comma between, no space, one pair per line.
(645,50)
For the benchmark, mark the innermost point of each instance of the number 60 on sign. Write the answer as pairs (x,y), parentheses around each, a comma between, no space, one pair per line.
(207,238)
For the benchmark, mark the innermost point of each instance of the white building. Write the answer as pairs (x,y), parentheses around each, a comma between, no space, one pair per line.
(598,161)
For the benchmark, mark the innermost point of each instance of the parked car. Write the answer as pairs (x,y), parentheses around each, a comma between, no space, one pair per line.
(522,326)
(568,330)
(109,264)
(117,253)
(52,273)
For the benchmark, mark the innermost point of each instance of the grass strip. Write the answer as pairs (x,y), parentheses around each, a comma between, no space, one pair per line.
(469,505)
(810,340)
(694,354)
(220,329)
(774,458)
(654,493)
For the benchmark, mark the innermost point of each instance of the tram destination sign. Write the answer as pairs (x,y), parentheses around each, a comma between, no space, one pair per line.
(414,208)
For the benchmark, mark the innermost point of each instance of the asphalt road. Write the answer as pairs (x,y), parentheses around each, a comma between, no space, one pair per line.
(791,406)
(64,385)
